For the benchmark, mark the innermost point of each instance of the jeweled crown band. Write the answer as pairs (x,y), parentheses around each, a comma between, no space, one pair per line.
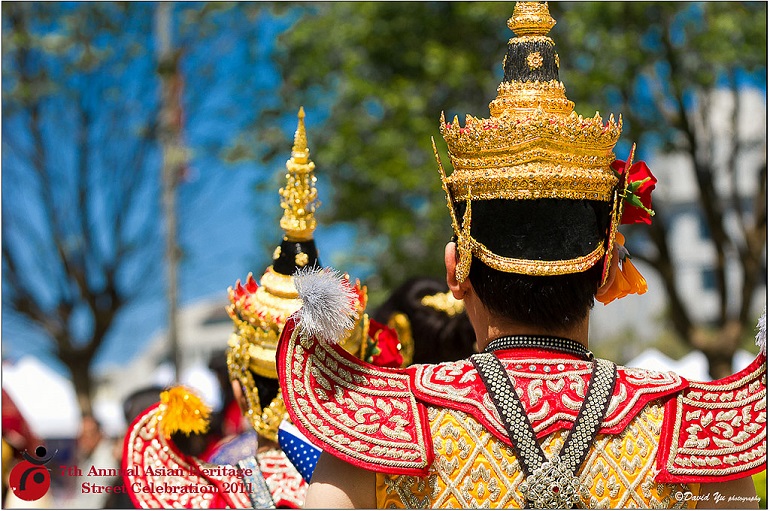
(534,267)
(532,182)
(567,158)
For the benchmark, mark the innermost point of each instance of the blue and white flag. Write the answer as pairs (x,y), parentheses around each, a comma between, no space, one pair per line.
(302,454)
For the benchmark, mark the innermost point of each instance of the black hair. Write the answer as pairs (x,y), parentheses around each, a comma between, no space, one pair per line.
(550,302)
(267,389)
(543,229)
(438,337)
(139,400)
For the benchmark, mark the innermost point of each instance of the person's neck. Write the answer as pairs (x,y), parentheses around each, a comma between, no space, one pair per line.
(501,327)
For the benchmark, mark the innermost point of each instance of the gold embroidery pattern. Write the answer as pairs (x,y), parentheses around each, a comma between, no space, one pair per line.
(622,467)
(473,469)
(285,483)
(360,411)
(565,378)
(148,449)
(720,429)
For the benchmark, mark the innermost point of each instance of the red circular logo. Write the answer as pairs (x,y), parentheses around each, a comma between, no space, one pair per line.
(29,479)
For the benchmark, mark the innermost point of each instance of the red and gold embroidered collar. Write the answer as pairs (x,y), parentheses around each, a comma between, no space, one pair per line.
(552,387)
(376,418)
(158,475)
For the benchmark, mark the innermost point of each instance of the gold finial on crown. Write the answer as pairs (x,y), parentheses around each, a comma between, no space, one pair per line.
(531,19)
(299,198)
(533,145)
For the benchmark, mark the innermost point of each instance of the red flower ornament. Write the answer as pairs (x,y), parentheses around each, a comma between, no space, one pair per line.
(382,346)
(637,194)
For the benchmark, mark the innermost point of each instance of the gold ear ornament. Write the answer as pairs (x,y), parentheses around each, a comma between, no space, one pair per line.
(465,246)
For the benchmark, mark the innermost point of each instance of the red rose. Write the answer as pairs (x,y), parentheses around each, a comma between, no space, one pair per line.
(639,184)
(383,347)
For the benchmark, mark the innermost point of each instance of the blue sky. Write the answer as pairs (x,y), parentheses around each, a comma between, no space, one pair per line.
(226,228)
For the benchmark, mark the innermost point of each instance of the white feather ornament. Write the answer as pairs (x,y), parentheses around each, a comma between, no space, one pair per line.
(328,303)
(761,338)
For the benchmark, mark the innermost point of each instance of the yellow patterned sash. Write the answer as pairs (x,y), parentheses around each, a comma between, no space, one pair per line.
(473,469)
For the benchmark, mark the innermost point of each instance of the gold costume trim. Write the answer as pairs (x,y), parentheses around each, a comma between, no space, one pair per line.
(473,469)
(534,267)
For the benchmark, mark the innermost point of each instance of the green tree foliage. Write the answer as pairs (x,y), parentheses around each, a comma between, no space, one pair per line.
(382,73)
(81,165)
(663,65)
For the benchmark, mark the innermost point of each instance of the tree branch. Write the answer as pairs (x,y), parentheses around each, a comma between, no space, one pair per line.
(704,172)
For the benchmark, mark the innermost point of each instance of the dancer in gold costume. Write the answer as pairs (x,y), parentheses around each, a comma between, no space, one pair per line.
(536,197)
(156,472)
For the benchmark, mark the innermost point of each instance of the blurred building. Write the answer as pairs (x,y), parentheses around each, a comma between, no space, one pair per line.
(204,328)
(695,257)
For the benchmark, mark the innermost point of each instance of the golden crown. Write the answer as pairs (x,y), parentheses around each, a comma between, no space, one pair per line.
(259,310)
(533,146)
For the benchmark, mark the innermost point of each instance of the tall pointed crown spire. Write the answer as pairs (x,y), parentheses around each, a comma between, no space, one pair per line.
(533,146)
(260,310)
(299,198)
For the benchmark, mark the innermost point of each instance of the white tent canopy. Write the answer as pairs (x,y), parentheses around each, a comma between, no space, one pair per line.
(692,366)
(48,402)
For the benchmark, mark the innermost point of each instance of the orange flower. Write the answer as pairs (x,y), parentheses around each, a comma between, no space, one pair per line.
(638,283)
(619,288)
(627,281)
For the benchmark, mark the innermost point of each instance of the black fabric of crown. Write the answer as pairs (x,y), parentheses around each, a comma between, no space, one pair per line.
(286,264)
(540,230)
(537,229)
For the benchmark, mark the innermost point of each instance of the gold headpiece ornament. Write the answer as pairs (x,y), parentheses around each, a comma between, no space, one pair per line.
(533,146)
(299,198)
(444,302)
(259,311)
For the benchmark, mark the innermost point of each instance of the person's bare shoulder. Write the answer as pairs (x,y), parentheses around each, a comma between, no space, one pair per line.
(340,485)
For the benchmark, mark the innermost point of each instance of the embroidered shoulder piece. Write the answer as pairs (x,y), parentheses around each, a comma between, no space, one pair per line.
(158,475)
(286,485)
(717,431)
(363,414)
(551,390)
